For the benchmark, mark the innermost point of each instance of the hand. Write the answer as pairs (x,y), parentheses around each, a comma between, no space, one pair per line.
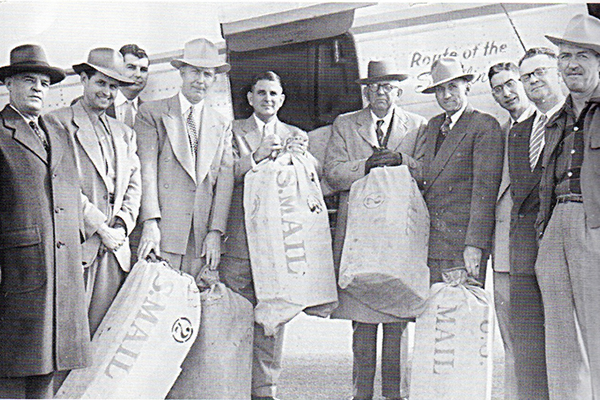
(150,240)
(298,143)
(211,249)
(472,257)
(269,144)
(112,238)
(383,158)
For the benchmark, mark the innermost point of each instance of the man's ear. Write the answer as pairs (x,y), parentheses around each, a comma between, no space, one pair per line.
(282,98)
(468,88)
(249,98)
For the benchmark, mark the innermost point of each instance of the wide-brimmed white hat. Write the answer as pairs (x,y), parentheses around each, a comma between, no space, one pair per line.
(444,70)
(107,61)
(201,53)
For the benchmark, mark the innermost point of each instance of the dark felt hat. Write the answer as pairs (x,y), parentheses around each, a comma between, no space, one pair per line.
(31,58)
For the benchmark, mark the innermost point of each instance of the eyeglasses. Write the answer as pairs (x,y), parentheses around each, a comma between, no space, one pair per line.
(511,84)
(538,73)
(387,87)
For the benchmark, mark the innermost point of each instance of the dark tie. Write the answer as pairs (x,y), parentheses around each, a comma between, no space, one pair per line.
(379,131)
(36,129)
(444,130)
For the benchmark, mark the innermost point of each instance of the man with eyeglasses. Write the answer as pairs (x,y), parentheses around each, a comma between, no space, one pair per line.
(382,134)
(462,169)
(508,92)
(568,223)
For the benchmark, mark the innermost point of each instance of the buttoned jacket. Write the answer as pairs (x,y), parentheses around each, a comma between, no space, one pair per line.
(179,191)
(95,180)
(43,317)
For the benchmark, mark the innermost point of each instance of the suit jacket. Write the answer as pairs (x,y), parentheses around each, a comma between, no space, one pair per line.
(44,325)
(590,180)
(176,191)
(504,202)
(460,184)
(526,201)
(350,144)
(92,171)
(246,139)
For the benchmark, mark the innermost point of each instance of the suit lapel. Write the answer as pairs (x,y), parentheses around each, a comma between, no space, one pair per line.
(454,138)
(252,136)
(56,145)
(178,136)
(23,133)
(505,181)
(399,129)
(521,134)
(365,127)
(210,135)
(85,135)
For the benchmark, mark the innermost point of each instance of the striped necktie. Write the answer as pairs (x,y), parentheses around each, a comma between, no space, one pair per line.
(536,142)
(192,130)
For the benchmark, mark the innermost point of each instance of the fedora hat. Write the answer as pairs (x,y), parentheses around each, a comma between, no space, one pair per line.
(582,31)
(107,61)
(379,71)
(201,53)
(31,58)
(444,70)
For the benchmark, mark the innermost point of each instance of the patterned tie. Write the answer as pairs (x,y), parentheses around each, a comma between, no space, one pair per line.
(128,117)
(379,131)
(36,129)
(536,142)
(444,130)
(192,130)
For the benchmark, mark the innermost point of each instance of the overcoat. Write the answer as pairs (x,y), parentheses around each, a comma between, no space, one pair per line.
(43,316)
(350,145)
(176,191)
(460,183)
(92,172)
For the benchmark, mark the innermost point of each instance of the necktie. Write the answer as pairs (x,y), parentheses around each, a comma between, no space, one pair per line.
(536,142)
(444,130)
(379,131)
(128,117)
(36,129)
(192,130)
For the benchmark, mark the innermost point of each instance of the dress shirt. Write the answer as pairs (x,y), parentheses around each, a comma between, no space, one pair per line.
(185,109)
(387,119)
(529,111)
(266,128)
(105,141)
(456,116)
(121,106)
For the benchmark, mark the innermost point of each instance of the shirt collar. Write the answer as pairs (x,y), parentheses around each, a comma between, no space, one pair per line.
(554,109)
(185,104)
(386,119)
(456,116)
(121,99)
(261,124)
(529,111)
(27,120)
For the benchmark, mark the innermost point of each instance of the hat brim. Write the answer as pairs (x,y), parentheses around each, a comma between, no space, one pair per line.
(558,41)
(431,89)
(376,79)
(56,74)
(123,80)
(220,67)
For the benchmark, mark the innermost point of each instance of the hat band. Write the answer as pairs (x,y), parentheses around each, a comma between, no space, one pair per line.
(30,62)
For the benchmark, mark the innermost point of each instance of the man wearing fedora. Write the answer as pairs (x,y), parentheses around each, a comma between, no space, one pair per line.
(187,166)
(109,171)
(568,223)
(381,134)
(44,326)
(462,171)
(255,139)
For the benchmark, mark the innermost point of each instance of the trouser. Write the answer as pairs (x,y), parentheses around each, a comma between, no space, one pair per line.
(28,387)
(568,273)
(527,322)
(236,274)
(364,349)
(503,304)
(103,280)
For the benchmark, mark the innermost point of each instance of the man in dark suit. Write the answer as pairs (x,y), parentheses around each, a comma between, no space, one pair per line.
(381,134)
(568,224)
(462,171)
(541,81)
(44,326)
(255,139)
(509,93)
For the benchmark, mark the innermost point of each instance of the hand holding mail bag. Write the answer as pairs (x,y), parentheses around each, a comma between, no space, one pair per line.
(143,339)
(384,259)
(289,240)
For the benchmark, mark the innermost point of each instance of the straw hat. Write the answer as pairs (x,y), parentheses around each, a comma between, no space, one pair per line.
(379,71)
(31,58)
(444,70)
(107,61)
(582,31)
(201,53)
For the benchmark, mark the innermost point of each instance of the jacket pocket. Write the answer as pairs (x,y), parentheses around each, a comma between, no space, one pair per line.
(21,261)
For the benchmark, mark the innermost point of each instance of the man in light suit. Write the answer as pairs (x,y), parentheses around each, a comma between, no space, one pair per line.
(461,177)
(568,224)
(255,139)
(382,134)
(508,92)
(109,171)
(187,167)
(44,326)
